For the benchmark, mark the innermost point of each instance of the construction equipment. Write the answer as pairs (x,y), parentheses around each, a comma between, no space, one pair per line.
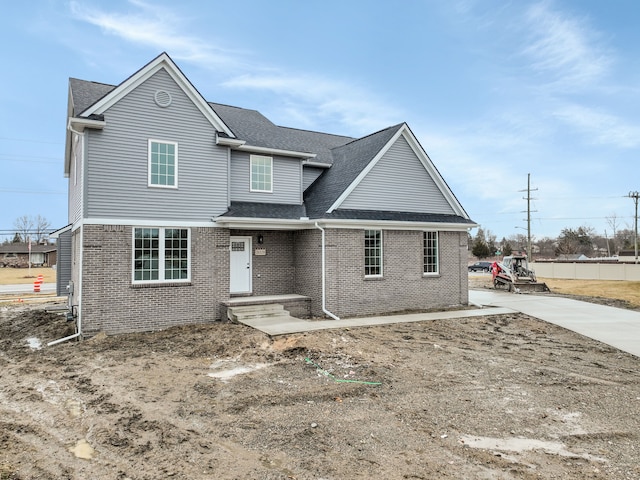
(513,273)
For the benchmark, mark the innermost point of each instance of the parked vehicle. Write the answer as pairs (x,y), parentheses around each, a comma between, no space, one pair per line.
(480,267)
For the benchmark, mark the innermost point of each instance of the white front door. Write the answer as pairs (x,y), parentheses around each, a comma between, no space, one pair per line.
(240,261)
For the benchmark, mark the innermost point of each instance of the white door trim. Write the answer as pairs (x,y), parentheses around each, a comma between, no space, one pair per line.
(240,267)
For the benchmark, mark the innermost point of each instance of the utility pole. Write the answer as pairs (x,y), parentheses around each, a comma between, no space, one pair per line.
(635,196)
(528,199)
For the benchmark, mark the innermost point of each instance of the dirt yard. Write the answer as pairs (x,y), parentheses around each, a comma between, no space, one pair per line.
(495,397)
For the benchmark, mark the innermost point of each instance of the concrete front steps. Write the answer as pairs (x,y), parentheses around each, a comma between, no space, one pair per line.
(242,314)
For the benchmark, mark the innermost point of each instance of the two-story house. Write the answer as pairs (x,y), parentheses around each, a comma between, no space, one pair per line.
(179,207)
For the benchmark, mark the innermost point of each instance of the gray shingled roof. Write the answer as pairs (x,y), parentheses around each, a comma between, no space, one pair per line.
(348,161)
(84,93)
(258,131)
(265,210)
(345,214)
(348,157)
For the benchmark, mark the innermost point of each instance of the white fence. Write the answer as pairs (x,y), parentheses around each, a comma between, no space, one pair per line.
(588,271)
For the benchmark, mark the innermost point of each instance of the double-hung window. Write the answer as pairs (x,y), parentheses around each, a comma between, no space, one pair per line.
(163,164)
(261,173)
(161,255)
(431,261)
(373,253)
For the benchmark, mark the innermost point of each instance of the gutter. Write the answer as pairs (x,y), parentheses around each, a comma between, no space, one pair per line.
(324,277)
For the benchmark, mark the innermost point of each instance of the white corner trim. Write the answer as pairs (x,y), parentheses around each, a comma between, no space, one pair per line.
(275,151)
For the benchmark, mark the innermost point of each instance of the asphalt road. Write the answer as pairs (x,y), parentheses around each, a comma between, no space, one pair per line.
(26,288)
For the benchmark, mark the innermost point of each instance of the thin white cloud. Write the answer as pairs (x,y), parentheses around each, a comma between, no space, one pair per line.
(601,128)
(308,98)
(158,28)
(564,48)
(312,98)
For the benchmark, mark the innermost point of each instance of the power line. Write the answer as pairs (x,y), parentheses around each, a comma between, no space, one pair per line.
(30,141)
(31,192)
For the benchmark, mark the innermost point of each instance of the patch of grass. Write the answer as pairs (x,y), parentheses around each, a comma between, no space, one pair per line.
(13,276)
(616,289)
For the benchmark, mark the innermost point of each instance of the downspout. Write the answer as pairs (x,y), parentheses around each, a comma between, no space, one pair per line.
(324,277)
(78,333)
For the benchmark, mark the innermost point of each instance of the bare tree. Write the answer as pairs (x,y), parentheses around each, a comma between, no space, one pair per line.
(29,228)
(614,223)
(41,227)
(23,226)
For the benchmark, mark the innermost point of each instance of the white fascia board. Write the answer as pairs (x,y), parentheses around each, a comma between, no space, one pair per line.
(307,163)
(132,222)
(365,171)
(146,72)
(56,233)
(275,151)
(229,142)
(396,225)
(244,223)
(79,124)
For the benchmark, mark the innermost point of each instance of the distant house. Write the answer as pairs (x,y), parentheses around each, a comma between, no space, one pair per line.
(627,256)
(17,255)
(178,207)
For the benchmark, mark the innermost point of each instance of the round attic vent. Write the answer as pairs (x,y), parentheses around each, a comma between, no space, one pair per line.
(162,98)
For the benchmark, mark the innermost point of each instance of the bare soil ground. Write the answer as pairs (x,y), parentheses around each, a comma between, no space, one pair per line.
(495,397)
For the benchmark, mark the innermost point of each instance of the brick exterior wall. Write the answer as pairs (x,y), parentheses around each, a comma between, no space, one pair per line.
(402,286)
(308,273)
(292,264)
(111,303)
(273,273)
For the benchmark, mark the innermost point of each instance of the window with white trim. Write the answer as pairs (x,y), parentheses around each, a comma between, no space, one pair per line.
(163,164)
(161,255)
(373,253)
(431,261)
(261,173)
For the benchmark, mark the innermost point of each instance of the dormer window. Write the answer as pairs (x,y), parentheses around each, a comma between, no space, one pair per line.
(163,164)
(261,173)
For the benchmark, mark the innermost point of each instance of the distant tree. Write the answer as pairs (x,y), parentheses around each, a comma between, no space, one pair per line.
(23,226)
(546,247)
(31,228)
(42,225)
(507,249)
(571,242)
(479,247)
(16,238)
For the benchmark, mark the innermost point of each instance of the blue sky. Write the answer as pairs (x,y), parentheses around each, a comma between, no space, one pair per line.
(493,90)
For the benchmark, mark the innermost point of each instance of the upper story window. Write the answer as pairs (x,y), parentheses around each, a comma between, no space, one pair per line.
(431,263)
(163,164)
(373,253)
(261,173)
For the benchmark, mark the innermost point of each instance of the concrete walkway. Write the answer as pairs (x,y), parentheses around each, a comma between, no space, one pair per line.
(278,326)
(617,327)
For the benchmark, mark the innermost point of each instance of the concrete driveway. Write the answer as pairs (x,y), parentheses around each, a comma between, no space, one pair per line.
(617,327)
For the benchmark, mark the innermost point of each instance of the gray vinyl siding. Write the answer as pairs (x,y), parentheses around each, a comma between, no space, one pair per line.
(63,265)
(309,175)
(287,184)
(76,179)
(117,159)
(398,182)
